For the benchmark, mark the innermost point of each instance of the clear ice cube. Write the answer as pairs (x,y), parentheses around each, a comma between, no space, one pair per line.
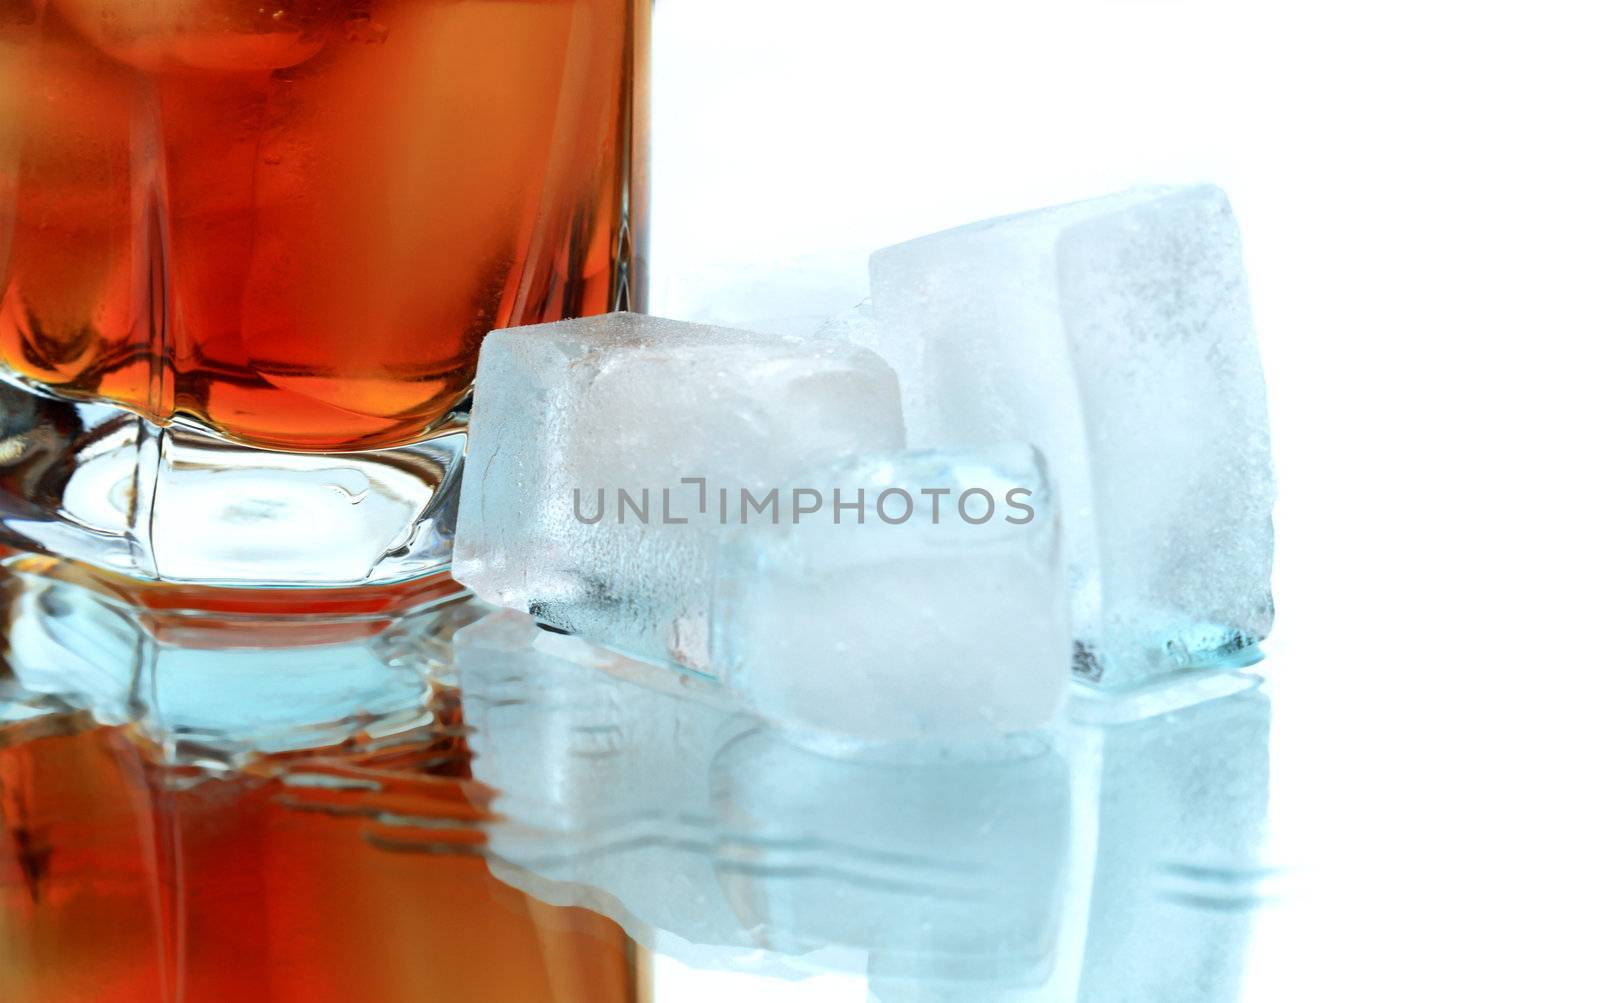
(606,453)
(1116,335)
(223,35)
(1180,871)
(923,600)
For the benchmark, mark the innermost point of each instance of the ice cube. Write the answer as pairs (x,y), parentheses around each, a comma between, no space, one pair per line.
(606,452)
(1116,335)
(939,614)
(228,35)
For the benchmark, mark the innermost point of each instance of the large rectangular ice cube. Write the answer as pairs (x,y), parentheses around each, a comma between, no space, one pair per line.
(606,452)
(922,600)
(1116,335)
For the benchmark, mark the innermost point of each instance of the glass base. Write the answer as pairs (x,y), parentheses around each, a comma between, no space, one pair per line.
(99,485)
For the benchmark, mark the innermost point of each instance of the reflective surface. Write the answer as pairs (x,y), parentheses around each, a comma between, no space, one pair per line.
(443,802)
(195,814)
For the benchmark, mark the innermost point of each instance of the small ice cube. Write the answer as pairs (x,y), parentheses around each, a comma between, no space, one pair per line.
(922,599)
(606,452)
(226,35)
(1116,335)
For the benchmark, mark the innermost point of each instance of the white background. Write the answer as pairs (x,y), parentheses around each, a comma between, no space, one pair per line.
(1417,186)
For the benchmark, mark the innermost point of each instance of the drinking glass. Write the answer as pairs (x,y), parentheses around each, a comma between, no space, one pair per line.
(248,251)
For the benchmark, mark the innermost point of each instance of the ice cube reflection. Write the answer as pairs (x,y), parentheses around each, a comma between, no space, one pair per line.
(1117,857)
(1112,858)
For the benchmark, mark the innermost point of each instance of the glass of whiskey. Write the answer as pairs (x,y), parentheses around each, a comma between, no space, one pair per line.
(248,251)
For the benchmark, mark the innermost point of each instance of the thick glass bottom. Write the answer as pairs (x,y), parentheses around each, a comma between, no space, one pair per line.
(96,484)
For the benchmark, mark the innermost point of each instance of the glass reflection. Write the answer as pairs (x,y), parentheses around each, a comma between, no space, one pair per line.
(407,801)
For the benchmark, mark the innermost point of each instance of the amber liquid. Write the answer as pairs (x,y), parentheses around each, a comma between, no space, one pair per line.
(124,880)
(293,221)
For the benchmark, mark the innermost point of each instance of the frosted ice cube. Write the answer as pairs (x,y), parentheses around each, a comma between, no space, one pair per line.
(607,451)
(1116,335)
(934,610)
